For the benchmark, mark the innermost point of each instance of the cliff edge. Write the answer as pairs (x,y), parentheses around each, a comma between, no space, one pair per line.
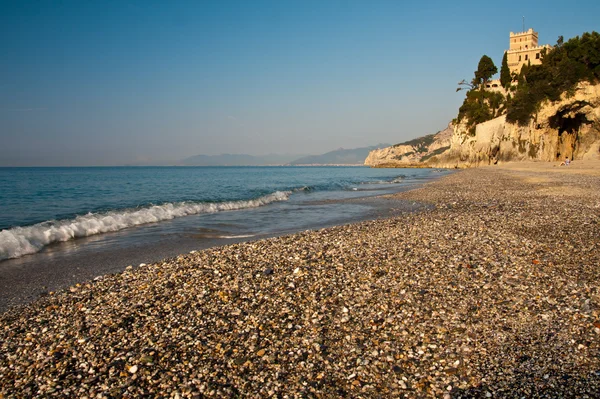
(569,128)
(413,153)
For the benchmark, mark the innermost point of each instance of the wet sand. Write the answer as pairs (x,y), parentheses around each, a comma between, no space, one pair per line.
(491,292)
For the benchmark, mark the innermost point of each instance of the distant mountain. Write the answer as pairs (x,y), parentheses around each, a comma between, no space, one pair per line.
(340,156)
(238,160)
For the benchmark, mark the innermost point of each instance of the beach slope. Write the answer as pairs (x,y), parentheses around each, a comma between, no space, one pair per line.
(492,292)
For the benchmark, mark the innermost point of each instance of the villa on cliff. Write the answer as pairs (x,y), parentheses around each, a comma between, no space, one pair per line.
(523,49)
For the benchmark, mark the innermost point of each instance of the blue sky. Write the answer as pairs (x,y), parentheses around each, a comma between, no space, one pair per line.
(110,83)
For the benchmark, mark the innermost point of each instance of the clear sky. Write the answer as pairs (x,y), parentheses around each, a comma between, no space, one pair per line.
(118,82)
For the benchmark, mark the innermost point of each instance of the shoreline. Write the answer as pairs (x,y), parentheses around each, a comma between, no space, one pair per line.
(62,265)
(492,291)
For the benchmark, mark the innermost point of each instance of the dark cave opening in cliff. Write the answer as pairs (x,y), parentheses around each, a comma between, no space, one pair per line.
(568,123)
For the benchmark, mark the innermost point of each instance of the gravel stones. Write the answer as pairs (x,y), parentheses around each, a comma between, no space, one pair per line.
(492,292)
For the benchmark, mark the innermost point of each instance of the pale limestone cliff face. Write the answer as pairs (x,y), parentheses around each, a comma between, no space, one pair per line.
(412,153)
(566,128)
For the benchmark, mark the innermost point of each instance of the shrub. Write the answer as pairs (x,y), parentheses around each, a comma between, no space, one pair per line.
(562,68)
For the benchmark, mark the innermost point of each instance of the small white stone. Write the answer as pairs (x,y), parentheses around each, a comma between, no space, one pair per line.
(142,264)
(297,270)
(133,369)
(488,395)
(449,387)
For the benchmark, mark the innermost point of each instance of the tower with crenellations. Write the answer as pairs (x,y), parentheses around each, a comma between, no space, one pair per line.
(524,49)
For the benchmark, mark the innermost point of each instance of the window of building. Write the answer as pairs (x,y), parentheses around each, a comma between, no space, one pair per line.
(519,58)
(525,57)
(537,56)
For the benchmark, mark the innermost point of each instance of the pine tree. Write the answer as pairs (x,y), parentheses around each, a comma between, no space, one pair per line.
(505,72)
(485,70)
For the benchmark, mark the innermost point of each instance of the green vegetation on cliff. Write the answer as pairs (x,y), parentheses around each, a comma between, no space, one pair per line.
(420,143)
(480,105)
(561,69)
(434,153)
(485,70)
(505,78)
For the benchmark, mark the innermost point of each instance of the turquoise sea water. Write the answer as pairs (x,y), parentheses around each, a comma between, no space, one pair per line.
(42,207)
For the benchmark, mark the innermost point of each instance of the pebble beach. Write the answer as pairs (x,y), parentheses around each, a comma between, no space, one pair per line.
(492,291)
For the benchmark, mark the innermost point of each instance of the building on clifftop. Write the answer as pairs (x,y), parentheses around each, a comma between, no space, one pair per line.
(524,49)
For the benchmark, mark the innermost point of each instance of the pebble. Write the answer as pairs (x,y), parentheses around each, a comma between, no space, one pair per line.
(446,302)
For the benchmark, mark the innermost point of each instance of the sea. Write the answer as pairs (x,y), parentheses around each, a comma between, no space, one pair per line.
(101,219)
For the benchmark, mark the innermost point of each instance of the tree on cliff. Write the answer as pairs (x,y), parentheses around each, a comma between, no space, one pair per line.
(505,77)
(485,70)
(562,68)
(480,105)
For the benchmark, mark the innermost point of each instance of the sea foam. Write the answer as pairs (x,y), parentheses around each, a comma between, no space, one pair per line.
(395,180)
(19,241)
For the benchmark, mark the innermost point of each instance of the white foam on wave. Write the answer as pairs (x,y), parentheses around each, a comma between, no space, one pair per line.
(395,180)
(19,241)
(237,236)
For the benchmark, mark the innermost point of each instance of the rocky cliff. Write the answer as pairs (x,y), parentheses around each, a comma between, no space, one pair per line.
(413,153)
(566,128)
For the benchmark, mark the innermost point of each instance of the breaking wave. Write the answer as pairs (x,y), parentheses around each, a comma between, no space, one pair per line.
(19,241)
(395,180)
(237,236)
